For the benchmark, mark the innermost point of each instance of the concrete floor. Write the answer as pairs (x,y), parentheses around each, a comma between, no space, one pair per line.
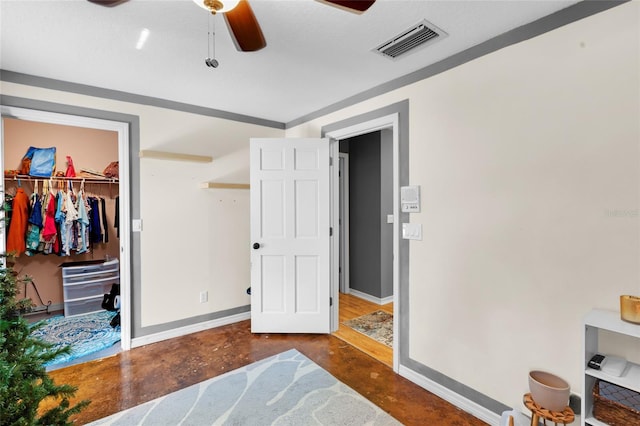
(145,373)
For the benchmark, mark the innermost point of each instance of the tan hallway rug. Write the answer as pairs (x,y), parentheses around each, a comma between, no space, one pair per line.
(377,325)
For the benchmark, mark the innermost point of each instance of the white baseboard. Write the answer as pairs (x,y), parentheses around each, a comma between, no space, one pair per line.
(370,298)
(386,300)
(448,395)
(183,331)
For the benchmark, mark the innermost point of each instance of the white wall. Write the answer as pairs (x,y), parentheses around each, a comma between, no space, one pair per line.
(529,162)
(193,239)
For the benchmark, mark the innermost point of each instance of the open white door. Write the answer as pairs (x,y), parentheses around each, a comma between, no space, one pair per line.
(290,263)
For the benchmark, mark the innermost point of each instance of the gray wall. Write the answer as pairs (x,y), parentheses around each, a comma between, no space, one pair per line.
(370,200)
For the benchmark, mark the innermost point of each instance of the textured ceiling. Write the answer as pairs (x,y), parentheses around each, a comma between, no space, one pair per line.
(316,55)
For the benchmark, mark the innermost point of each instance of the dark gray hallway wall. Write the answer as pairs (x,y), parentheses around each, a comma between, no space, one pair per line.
(364,214)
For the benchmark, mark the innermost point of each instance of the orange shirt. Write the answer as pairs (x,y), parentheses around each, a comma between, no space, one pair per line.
(18,225)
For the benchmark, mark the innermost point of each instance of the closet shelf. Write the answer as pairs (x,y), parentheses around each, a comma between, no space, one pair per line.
(163,155)
(63,178)
(221,185)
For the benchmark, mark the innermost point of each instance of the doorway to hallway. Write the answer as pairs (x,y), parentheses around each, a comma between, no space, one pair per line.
(365,222)
(393,118)
(354,307)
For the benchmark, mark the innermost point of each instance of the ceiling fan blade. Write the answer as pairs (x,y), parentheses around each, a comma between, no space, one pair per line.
(108,3)
(244,28)
(353,5)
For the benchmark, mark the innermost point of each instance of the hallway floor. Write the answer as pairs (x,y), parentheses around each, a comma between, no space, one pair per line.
(352,307)
(145,373)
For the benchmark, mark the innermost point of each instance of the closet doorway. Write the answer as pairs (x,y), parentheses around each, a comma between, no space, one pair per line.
(91,145)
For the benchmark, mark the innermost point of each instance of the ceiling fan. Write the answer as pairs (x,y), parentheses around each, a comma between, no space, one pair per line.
(242,23)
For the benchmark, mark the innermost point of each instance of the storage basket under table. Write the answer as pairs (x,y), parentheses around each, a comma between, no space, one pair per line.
(615,405)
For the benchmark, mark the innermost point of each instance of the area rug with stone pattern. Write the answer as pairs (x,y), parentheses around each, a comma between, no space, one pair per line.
(285,390)
(378,325)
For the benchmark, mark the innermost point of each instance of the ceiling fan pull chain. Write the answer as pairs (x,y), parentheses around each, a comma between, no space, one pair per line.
(209,36)
(213,36)
(211,43)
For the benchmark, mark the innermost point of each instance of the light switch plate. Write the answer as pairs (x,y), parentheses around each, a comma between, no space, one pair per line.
(136,225)
(389,218)
(412,231)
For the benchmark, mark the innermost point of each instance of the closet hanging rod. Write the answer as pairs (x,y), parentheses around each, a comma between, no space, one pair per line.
(64,178)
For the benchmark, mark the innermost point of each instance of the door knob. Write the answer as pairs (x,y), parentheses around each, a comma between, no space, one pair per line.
(256,246)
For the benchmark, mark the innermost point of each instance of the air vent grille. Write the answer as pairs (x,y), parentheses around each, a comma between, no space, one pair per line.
(418,35)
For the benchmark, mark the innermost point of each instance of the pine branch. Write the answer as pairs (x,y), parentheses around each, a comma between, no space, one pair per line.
(24,382)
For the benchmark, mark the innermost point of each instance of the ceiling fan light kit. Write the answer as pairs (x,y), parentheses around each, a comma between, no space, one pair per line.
(217,6)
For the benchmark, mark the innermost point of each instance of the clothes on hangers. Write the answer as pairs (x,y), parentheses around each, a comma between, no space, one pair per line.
(117,217)
(56,221)
(105,226)
(35,224)
(61,217)
(83,221)
(19,220)
(7,207)
(95,226)
(49,231)
(70,217)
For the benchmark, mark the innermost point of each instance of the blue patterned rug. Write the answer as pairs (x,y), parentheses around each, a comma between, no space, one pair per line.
(283,390)
(86,334)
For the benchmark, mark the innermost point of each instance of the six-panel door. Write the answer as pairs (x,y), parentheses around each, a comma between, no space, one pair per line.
(290,236)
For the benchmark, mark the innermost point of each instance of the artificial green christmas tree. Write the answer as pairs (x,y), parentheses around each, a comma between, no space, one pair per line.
(24,382)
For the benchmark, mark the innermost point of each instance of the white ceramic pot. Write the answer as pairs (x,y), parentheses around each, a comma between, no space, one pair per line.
(548,390)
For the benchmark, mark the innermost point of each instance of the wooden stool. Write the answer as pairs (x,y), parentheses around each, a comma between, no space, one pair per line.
(564,417)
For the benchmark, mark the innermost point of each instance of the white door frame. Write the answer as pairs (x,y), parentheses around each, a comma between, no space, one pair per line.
(3,240)
(343,228)
(387,122)
(122,130)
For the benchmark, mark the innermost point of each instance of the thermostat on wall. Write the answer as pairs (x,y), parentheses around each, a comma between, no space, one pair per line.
(410,199)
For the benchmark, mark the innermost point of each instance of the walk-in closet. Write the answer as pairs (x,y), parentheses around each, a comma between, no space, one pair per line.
(64,230)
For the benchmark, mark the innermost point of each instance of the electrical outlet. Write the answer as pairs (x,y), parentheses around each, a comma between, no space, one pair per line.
(204,296)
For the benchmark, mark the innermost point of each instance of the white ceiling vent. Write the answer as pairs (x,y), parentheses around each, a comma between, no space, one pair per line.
(419,35)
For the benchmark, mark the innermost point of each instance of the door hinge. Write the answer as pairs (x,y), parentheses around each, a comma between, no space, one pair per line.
(331,301)
(331,161)
(331,231)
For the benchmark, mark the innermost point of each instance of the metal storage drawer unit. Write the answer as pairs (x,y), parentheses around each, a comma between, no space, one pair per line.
(85,283)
